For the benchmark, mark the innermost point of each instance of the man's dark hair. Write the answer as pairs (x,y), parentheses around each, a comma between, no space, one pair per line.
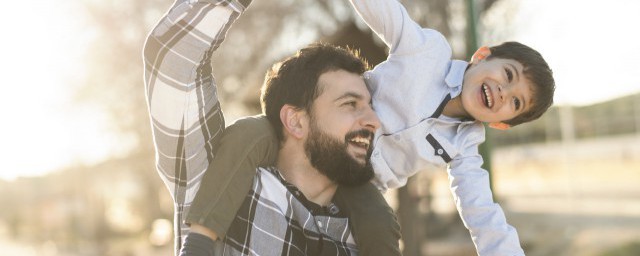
(294,81)
(536,70)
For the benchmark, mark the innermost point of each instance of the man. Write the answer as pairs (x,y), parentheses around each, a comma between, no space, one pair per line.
(325,125)
(319,107)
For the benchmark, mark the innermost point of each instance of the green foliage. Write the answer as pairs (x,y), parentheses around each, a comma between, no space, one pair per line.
(629,249)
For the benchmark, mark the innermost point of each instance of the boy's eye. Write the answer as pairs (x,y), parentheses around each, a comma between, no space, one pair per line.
(509,74)
(516,102)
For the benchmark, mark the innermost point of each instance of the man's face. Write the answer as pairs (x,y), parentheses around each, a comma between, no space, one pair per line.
(341,128)
(495,90)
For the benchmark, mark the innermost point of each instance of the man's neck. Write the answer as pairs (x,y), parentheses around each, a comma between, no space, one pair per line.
(297,170)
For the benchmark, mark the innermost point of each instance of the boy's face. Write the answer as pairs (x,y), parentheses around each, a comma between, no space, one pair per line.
(495,90)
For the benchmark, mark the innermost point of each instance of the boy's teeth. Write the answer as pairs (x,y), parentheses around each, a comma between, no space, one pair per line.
(485,89)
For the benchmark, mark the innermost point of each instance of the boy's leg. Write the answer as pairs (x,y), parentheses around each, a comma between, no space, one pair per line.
(248,143)
(373,223)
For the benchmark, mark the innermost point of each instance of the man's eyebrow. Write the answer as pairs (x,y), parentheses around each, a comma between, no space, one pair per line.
(350,95)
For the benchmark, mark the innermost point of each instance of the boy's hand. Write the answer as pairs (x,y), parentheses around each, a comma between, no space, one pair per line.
(204,231)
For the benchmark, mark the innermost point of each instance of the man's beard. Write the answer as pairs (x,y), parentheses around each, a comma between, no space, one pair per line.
(330,157)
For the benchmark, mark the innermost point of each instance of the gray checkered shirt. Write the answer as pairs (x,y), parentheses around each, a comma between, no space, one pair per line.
(181,92)
(276,219)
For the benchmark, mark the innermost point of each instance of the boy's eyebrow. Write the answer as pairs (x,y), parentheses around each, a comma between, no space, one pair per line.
(524,101)
(515,70)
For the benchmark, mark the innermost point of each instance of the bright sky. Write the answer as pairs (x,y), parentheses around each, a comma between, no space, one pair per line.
(591,46)
(41,49)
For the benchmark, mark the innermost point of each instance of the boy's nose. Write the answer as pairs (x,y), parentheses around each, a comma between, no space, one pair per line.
(503,92)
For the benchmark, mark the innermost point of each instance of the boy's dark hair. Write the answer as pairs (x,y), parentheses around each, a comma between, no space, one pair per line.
(536,70)
(294,81)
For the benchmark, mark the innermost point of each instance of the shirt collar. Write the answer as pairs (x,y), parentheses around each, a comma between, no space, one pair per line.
(455,75)
(454,79)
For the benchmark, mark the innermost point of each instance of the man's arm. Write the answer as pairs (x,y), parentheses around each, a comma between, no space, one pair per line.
(181,94)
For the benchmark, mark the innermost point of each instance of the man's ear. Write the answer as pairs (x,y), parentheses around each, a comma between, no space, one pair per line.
(499,126)
(293,121)
(481,54)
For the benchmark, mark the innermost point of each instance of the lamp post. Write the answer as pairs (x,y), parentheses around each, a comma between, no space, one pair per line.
(472,46)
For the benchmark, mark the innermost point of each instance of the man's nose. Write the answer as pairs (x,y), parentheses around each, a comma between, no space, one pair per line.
(370,120)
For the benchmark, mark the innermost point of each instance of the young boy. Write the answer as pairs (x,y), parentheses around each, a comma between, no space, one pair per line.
(432,110)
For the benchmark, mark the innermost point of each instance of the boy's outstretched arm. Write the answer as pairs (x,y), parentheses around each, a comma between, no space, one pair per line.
(181,94)
(485,219)
(391,22)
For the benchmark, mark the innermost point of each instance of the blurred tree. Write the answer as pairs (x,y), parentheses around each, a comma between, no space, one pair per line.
(113,77)
(268,31)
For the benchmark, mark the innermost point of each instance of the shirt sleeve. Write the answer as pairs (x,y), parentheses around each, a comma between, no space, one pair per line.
(391,22)
(181,94)
(485,219)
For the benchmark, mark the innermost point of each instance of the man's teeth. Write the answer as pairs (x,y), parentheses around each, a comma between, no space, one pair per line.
(485,89)
(361,140)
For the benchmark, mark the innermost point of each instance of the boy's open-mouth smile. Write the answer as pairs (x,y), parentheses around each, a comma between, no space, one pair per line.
(487,99)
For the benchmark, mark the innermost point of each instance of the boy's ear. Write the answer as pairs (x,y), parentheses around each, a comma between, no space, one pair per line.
(293,121)
(480,54)
(499,125)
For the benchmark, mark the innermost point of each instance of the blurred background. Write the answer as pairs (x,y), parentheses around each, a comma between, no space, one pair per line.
(78,174)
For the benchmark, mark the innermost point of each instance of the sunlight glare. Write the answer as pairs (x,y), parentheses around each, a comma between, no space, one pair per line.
(44,130)
(591,51)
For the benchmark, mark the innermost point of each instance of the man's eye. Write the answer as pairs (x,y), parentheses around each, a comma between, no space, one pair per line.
(516,102)
(509,74)
(350,103)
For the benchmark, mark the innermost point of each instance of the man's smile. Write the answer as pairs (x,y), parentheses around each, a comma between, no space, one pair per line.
(361,142)
(360,139)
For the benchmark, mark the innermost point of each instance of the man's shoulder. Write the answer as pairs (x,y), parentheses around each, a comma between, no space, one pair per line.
(270,176)
(251,127)
(256,121)
(271,170)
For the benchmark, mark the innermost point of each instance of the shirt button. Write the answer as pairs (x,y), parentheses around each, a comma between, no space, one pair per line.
(376,154)
(440,151)
(320,224)
(333,209)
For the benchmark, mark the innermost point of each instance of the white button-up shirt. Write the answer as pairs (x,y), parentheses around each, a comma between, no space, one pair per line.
(410,90)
